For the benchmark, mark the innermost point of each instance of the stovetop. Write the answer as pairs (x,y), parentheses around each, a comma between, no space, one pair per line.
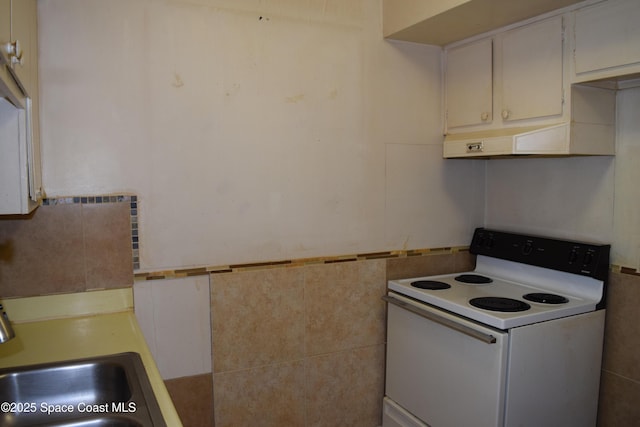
(509,280)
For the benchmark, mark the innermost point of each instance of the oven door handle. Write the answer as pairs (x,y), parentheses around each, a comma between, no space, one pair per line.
(487,338)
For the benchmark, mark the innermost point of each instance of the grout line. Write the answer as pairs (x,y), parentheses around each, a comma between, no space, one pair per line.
(635,381)
(303,359)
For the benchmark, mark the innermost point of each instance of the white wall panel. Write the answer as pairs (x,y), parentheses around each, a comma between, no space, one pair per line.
(174,316)
(250,131)
(564,197)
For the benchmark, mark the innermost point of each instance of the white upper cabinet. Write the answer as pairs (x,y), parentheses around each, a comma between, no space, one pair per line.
(24,35)
(532,84)
(469,84)
(8,86)
(18,50)
(607,40)
(20,170)
(518,74)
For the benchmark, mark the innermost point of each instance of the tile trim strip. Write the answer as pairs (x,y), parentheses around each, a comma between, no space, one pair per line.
(201,271)
(625,270)
(108,198)
(204,270)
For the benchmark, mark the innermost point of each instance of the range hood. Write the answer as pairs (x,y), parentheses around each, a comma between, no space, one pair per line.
(589,131)
(566,139)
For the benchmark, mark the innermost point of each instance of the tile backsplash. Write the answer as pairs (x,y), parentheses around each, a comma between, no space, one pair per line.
(620,381)
(69,244)
(299,345)
(304,344)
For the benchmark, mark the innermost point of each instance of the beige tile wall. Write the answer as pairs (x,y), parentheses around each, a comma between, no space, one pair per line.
(258,318)
(304,345)
(620,382)
(299,346)
(67,247)
(192,397)
(430,265)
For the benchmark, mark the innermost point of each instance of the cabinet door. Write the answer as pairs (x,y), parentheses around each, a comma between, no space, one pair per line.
(469,84)
(20,169)
(5,21)
(8,87)
(24,31)
(532,71)
(607,36)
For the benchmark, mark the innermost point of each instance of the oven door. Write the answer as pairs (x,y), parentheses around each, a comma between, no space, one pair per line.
(443,369)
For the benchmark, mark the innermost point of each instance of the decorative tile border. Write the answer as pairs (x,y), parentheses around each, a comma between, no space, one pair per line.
(625,270)
(201,271)
(102,199)
(205,270)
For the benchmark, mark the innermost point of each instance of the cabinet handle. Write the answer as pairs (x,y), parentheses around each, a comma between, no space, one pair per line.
(479,335)
(484,116)
(15,52)
(505,114)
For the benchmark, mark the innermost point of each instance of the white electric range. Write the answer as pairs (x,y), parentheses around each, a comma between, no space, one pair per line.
(515,294)
(515,342)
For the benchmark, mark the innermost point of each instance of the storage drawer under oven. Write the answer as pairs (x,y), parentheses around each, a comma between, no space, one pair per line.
(445,370)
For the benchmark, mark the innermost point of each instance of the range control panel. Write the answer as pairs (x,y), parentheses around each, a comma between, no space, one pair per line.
(586,259)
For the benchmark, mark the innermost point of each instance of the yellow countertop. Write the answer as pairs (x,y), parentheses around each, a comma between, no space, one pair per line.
(59,327)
